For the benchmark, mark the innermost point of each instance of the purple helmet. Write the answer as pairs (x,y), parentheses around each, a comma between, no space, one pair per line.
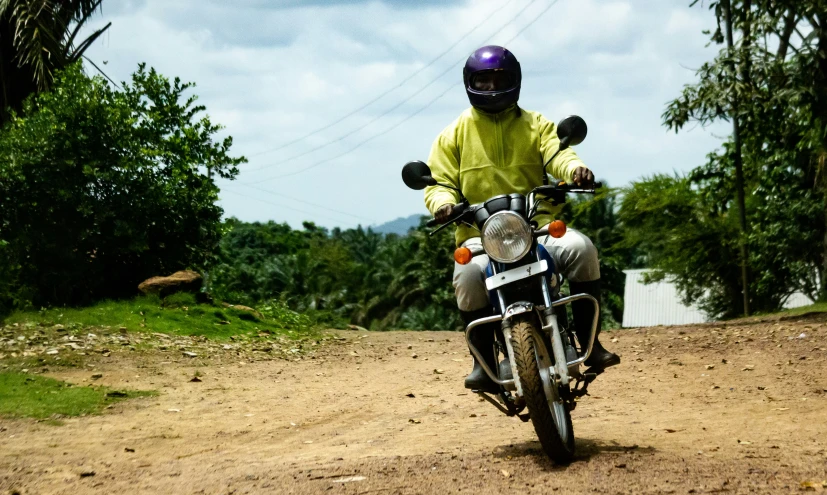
(501,72)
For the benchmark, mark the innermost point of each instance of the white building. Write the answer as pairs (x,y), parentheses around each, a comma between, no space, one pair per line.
(659,303)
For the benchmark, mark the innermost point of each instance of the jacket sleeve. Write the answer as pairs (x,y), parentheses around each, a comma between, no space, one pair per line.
(566,162)
(444,164)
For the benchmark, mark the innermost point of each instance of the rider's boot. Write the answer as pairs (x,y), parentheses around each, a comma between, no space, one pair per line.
(583,312)
(505,370)
(483,339)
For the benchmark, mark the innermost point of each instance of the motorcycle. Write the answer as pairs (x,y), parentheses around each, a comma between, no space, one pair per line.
(541,371)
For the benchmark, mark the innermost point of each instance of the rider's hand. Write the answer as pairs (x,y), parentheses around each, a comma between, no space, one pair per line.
(583,177)
(444,213)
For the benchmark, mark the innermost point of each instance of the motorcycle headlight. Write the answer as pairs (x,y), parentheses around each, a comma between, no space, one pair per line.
(506,237)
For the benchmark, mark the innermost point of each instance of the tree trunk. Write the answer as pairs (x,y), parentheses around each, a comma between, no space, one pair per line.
(820,116)
(739,166)
(784,40)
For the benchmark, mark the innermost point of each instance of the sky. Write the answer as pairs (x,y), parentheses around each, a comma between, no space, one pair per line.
(329,99)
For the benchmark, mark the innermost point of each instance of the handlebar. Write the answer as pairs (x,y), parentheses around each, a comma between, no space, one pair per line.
(457,213)
(461,209)
(566,188)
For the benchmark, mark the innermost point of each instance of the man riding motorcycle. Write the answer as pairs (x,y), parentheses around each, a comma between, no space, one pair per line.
(495,147)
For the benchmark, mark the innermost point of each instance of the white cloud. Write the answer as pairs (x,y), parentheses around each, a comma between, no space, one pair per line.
(274,71)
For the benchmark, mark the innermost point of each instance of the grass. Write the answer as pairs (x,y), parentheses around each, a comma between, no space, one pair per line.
(177,314)
(23,395)
(813,308)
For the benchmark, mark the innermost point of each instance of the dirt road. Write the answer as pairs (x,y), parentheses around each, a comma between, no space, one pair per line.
(713,409)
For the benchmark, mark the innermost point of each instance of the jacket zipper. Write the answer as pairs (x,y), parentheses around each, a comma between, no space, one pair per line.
(499,141)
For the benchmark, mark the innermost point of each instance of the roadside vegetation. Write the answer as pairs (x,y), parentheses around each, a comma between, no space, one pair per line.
(31,396)
(103,186)
(178,314)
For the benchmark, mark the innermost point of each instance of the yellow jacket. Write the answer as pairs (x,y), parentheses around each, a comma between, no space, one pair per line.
(485,154)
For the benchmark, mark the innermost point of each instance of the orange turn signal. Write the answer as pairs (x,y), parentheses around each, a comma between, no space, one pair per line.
(462,256)
(557,229)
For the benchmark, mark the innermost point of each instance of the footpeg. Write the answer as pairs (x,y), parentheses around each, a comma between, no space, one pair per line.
(581,387)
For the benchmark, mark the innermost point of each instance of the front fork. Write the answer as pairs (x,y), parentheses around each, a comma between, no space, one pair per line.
(566,365)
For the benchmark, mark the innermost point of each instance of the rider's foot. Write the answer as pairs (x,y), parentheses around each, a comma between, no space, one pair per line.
(600,358)
(483,339)
(583,312)
(479,380)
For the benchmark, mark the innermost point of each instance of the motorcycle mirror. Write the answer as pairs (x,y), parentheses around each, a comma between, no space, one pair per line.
(571,131)
(417,175)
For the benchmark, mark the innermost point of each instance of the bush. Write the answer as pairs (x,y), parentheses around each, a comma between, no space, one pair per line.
(101,189)
(285,317)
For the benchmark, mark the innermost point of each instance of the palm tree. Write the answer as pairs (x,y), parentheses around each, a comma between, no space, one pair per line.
(37,38)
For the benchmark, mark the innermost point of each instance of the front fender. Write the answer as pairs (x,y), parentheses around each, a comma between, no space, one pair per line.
(518,308)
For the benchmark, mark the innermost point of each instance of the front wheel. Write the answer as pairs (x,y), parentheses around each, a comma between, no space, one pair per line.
(549,415)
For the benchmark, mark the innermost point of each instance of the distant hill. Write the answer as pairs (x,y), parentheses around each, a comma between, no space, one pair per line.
(399,226)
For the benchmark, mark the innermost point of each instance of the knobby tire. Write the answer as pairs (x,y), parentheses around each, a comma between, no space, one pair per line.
(523,345)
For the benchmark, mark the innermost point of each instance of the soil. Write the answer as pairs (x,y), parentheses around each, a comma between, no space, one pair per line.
(727,408)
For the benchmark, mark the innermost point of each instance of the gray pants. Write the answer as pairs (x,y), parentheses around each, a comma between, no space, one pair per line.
(574,256)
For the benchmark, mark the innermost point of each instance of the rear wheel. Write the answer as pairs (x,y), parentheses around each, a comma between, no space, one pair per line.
(549,415)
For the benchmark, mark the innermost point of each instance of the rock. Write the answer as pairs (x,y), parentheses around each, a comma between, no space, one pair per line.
(189,354)
(97,376)
(59,328)
(183,281)
(248,309)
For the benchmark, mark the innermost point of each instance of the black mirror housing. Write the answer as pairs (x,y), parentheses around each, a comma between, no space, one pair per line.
(572,130)
(417,175)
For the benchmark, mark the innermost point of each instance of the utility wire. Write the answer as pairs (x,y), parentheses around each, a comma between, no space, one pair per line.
(354,131)
(390,110)
(279,205)
(282,195)
(431,102)
(537,18)
(388,91)
(363,142)
(102,72)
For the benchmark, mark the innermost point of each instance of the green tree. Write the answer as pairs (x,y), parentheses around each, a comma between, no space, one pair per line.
(597,217)
(37,39)
(100,189)
(772,79)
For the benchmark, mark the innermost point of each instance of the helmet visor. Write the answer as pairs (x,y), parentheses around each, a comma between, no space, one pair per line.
(493,80)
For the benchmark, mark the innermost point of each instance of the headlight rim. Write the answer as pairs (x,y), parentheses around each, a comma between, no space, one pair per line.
(529,230)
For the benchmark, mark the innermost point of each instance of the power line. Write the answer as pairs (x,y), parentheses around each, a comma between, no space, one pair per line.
(354,131)
(280,205)
(537,18)
(363,142)
(280,194)
(102,72)
(388,111)
(374,100)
